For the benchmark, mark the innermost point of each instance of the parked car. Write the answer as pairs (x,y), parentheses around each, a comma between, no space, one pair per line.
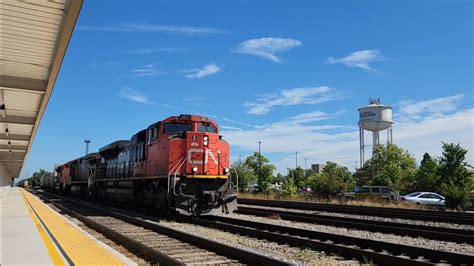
(361,192)
(424,198)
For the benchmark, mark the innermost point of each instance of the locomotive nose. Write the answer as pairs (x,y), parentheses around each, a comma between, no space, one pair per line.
(204,155)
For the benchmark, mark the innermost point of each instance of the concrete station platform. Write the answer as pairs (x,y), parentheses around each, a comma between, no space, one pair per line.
(32,233)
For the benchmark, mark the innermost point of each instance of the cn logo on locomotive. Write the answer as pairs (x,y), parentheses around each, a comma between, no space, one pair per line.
(208,153)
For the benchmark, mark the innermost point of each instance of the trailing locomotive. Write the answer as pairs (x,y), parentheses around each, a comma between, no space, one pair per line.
(180,164)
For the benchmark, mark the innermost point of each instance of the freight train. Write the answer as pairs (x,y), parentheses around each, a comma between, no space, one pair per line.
(179,164)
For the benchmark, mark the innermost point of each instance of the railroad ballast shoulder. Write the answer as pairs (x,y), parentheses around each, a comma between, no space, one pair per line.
(180,163)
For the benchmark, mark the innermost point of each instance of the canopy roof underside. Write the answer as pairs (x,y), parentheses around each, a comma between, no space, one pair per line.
(34,35)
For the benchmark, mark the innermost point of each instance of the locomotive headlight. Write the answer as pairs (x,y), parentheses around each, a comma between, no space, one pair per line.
(195,169)
(226,170)
(205,141)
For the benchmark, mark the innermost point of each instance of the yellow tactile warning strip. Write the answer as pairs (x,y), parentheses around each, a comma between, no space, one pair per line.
(53,253)
(80,248)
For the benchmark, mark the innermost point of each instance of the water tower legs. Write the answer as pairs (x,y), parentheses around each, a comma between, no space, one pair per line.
(389,135)
(361,141)
(375,139)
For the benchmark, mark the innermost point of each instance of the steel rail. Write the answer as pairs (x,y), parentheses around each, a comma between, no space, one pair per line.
(430,232)
(121,239)
(242,255)
(435,216)
(384,253)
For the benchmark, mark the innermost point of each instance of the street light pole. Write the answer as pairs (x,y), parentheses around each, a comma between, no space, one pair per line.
(296,160)
(87,141)
(259,162)
(305,167)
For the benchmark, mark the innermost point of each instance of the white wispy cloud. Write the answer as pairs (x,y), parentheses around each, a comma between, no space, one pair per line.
(266,48)
(237,122)
(158,50)
(360,59)
(312,117)
(133,95)
(193,99)
(409,109)
(109,63)
(136,96)
(223,127)
(321,141)
(196,73)
(135,27)
(146,71)
(296,96)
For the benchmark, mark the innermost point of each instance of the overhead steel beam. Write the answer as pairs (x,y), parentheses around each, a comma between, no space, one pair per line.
(10,153)
(23,84)
(15,137)
(13,147)
(19,120)
(13,160)
(6,154)
(10,160)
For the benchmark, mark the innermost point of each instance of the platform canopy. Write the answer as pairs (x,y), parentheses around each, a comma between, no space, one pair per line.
(34,35)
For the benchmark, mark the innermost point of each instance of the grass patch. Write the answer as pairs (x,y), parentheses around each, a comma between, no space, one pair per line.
(307,197)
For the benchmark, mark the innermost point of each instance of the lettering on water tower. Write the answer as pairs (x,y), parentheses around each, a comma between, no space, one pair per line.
(367,114)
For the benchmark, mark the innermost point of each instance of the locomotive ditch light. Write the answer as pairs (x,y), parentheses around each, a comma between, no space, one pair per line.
(226,170)
(195,169)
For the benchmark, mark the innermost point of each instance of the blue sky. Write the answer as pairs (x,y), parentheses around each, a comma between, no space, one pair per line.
(289,73)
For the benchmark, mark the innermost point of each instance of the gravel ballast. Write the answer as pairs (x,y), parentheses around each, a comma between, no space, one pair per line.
(272,249)
(405,240)
(372,218)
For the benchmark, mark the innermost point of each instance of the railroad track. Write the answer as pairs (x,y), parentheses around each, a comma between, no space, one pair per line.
(348,247)
(364,250)
(430,232)
(158,244)
(423,215)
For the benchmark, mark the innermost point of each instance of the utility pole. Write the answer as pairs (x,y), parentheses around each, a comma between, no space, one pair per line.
(259,163)
(296,160)
(87,141)
(305,167)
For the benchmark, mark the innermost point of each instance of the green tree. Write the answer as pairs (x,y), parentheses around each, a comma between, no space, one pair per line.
(427,178)
(455,179)
(36,177)
(341,172)
(325,186)
(246,175)
(298,176)
(332,181)
(308,172)
(262,169)
(289,188)
(390,166)
(279,178)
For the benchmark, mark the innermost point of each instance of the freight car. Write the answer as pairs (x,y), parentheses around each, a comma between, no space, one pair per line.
(179,164)
(47,181)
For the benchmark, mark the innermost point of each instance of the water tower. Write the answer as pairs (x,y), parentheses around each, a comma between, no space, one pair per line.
(375,117)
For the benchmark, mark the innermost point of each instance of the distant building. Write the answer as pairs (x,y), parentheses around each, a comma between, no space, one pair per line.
(318,168)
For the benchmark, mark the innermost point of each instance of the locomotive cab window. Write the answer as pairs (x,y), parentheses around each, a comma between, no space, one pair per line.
(207,128)
(153,133)
(175,128)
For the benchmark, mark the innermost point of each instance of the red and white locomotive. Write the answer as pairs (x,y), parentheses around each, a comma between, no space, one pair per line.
(180,163)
